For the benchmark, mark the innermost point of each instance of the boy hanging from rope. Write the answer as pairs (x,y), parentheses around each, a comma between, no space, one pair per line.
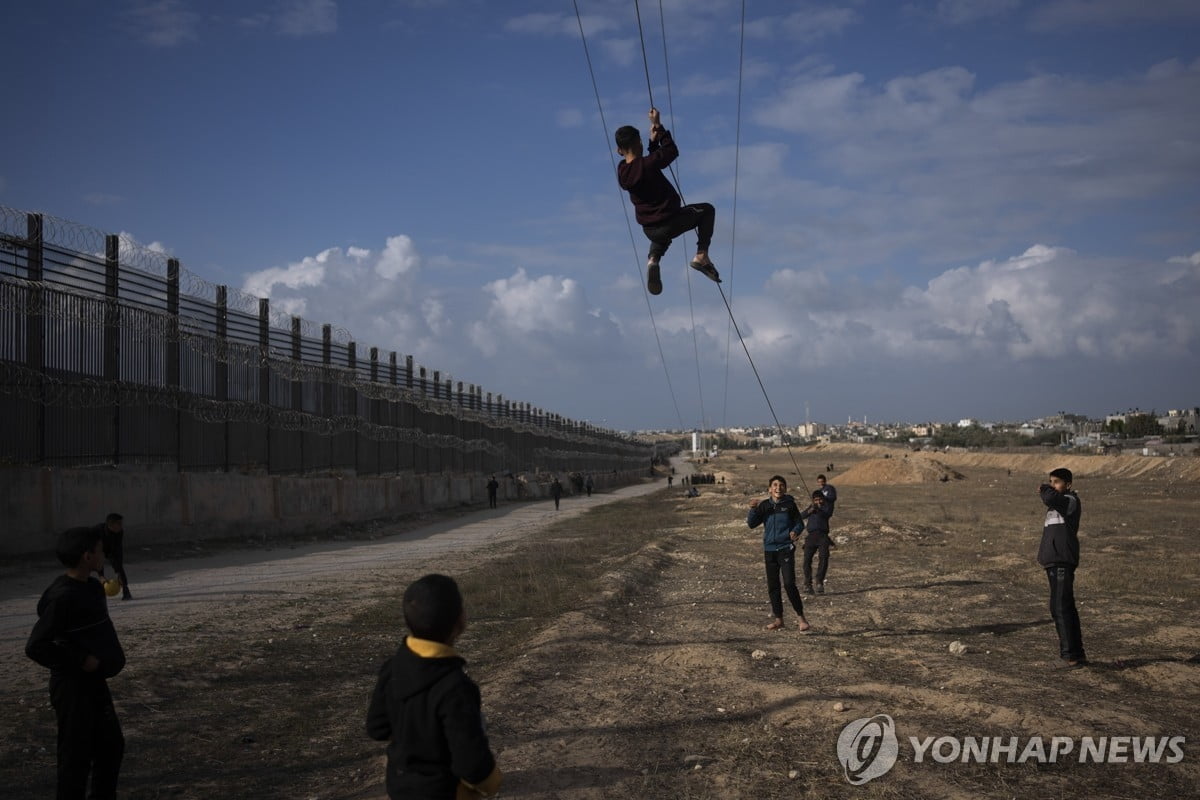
(656,203)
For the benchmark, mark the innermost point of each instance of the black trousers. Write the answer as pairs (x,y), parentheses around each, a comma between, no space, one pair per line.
(1062,608)
(701,216)
(492,499)
(90,741)
(782,563)
(822,562)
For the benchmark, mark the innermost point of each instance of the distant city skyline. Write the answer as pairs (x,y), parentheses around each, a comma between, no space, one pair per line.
(943,208)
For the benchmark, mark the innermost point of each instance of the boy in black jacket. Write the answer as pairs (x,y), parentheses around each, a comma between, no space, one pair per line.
(75,638)
(427,708)
(780,520)
(1059,556)
(656,204)
(816,540)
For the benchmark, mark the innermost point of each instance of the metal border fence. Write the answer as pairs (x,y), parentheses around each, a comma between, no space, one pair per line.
(111,353)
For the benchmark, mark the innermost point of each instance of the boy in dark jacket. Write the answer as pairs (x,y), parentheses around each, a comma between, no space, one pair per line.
(113,531)
(780,520)
(1059,556)
(656,204)
(427,708)
(816,540)
(75,639)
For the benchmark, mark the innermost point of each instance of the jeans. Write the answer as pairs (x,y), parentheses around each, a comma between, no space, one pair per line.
(822,562)
(782,562)
(1062,608)
(701,216)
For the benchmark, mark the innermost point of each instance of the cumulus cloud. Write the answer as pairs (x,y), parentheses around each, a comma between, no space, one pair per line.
(807,24)
(1045,303)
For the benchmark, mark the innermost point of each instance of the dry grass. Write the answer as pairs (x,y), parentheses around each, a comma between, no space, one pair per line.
(613,646)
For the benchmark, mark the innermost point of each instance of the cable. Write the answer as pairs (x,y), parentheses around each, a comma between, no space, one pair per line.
(737,152)
(624,209)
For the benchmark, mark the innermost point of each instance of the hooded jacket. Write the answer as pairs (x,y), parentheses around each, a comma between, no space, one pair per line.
(429,709)
(654,198)
(817,524)
(1060,536)
(778,521)
(73,623)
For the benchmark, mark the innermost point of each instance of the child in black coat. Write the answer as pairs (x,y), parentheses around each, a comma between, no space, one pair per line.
(426,707)
(76,640)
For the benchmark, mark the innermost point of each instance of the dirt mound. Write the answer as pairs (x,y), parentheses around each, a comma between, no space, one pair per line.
(916,468)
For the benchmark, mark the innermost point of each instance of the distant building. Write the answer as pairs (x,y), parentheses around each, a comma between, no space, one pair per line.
(1186,420)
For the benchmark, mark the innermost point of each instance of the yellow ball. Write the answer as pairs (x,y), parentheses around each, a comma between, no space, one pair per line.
(112,587)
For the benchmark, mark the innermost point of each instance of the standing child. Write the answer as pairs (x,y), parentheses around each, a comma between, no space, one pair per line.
(76,640)
(657,205)
(779,517)
(816,540)
(426,707)
(1059,556)
(113,532)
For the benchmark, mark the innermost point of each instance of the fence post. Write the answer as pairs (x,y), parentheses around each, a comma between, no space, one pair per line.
(223,362)
(326,374)
(297,392)
(408,372)
(35,331)
(173,354)
(352,359)
(264,370)
(112,331)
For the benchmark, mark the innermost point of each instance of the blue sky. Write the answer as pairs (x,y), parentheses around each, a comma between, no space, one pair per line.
(946,208)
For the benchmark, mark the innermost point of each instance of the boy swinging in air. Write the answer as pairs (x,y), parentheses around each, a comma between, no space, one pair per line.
(656,203)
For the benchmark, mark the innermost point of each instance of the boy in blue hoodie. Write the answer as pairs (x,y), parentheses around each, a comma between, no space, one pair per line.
(780,520)
(76,640)
(1059,556)
(426,707)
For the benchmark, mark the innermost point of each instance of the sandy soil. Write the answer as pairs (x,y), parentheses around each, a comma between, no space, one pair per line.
(663,683)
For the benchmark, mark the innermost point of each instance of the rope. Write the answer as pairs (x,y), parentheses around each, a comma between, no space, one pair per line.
(737,153)
(624,208)
(782,435)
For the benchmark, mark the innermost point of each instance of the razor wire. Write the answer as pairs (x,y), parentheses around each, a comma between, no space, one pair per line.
(49,390)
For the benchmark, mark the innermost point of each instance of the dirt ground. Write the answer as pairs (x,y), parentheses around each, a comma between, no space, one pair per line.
(249,670)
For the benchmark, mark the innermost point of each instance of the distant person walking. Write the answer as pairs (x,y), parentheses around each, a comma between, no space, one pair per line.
(1059,556)
(587,484)
(492,486)
(556,491)
(780,520)
(112,531)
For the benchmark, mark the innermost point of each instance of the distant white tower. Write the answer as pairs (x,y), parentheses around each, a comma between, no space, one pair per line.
(695,441)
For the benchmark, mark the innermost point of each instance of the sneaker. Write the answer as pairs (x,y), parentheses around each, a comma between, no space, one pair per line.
(653,277)
(820,588)
(808,588)
(709,270)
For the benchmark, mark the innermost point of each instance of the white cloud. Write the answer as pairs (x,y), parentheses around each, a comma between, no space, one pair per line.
(808,24)
(1107,13)
(307,17)
(961,12)
(398,258)
(163,23)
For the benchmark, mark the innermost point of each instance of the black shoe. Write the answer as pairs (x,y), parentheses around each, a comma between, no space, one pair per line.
(808,588)
(820,588)
(127,596)
(653,277)
(709,270)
